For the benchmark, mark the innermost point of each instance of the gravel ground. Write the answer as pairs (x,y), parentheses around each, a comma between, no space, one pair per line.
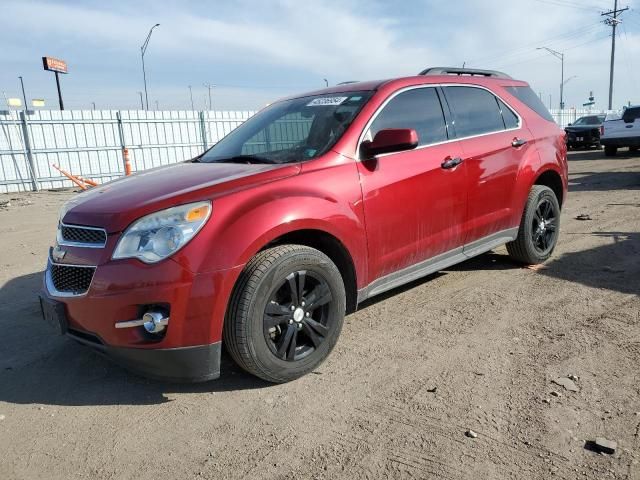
(474,347)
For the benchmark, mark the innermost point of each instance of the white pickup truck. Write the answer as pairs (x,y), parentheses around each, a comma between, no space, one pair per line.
(621,130)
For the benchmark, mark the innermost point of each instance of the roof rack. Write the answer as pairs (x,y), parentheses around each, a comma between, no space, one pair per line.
(463,71)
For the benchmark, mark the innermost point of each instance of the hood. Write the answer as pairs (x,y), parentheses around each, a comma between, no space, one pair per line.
(114,205)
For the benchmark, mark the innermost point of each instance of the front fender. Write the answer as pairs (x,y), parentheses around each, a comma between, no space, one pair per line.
(244,222)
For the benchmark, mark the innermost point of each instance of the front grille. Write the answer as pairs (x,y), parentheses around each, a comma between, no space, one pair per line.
(90,236)
(71,279)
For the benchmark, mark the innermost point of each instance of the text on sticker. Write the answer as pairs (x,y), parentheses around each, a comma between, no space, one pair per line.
(324,101)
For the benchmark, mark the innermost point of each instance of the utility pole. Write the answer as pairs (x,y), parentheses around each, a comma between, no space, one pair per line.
(23,94)
(191,95)
(209,86)
(141,101)
(560,56)
(612,21)
(143,49)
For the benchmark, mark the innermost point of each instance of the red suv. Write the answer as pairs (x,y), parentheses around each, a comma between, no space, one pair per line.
(316,203)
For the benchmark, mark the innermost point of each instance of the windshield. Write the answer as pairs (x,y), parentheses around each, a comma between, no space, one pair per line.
(595,120)
(291,130)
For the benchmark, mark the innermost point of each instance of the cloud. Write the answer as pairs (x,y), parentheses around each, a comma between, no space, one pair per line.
(286,45)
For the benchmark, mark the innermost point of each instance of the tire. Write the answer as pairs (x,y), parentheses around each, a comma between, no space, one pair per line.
(260,332)
(536,241)
(610,151)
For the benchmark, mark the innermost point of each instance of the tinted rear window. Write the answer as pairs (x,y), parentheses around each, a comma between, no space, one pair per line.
(531,100)
(631,114)
(475,111)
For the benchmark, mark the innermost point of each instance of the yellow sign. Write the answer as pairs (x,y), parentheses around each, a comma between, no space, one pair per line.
(14,102)
(37,102)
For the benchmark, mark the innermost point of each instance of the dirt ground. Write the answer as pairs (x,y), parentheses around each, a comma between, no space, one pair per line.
(473,347)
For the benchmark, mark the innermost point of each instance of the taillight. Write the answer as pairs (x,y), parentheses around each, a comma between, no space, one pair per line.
(601,130)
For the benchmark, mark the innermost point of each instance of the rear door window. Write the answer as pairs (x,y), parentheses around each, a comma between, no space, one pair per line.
(475,111)
(419,109)
(510,118)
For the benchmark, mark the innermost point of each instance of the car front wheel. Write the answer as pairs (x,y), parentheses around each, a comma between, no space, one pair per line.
(286,313)
(539,227)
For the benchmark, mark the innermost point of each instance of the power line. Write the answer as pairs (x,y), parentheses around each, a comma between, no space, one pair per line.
(560,3)
(560,38)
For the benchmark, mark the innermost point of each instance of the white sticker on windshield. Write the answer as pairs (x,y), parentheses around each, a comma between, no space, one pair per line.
(326,101)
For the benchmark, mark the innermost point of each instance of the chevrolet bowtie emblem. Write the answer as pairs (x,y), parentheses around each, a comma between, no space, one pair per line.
(58,254)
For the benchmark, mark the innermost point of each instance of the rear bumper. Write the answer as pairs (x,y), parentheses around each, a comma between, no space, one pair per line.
(198,363)
(621,142)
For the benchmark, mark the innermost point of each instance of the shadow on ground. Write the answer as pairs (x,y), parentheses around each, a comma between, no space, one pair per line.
(613,266)
(38,366)
(599,155)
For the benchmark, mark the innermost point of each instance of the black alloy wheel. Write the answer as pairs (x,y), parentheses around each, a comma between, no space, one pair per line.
(286,313)
(296,318)
(544,230)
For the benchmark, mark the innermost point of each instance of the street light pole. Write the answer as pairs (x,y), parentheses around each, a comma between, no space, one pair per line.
(191,95)
(143,49)
(559,55)
(23,94)
(141,101)
(209,86)
(326,82)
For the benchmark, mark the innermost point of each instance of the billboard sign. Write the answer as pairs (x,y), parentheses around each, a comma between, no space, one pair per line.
(54,64)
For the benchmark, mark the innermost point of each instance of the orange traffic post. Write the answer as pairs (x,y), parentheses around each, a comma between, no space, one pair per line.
(71,177)
(87,181)
(127,163)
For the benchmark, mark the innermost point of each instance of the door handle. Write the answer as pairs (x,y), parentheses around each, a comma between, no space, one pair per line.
(518,142)
(451,162)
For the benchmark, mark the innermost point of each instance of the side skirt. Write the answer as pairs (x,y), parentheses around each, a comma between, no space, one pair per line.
(434,264)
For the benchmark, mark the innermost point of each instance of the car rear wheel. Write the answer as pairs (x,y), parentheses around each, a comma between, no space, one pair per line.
(610,151)
(286,313)
(539,227)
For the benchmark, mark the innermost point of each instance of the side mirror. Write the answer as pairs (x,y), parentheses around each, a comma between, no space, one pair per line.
(390,140)
(569,124)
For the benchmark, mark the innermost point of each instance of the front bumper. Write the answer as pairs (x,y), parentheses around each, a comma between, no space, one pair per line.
(184,364)
(189,348)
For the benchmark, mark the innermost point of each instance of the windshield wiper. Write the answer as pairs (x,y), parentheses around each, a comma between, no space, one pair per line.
(248,159)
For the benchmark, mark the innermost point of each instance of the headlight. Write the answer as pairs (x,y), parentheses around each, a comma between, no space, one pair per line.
(161,234)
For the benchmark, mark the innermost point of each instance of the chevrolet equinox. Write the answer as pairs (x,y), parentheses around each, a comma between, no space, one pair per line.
(318,202)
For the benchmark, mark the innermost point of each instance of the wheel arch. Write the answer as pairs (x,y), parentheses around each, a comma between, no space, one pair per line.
(552,179)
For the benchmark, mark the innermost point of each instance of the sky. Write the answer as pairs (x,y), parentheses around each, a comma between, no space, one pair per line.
(255,52)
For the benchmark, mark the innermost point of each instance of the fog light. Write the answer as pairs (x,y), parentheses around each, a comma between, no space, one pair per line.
(155,322)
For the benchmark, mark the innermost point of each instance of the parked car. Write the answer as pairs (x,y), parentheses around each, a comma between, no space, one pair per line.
(621,130)
(313,205)
(585,132)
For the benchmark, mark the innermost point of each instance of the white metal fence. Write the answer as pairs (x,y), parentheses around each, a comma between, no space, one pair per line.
(570,115)
(90,143)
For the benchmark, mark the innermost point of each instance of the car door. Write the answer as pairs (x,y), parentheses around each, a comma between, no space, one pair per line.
(414,208)
(494,143)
